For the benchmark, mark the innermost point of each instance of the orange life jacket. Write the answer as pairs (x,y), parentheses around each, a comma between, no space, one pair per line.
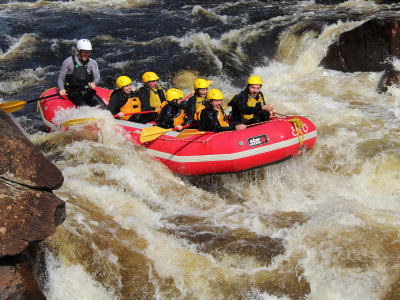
(199,106)
(132,105)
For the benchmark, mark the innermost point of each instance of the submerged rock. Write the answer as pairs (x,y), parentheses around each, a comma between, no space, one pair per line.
(29,211)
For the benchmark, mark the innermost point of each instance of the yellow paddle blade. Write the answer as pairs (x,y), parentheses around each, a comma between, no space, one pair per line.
(12,106)
(79,121)
(189,132)
(152,133)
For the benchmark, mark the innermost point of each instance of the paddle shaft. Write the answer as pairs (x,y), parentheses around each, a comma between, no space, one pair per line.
(282,115)
(135,113)
(190,95)
(41,98)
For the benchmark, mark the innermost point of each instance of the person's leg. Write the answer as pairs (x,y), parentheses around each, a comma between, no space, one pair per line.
(150,117)
(92,99)
(77,98)
(264,116)
(251,121)
(98,101)
(135,118)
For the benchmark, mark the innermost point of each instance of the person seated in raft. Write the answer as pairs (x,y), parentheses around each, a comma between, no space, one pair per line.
(195,103)
(213,117)
(172,111)
(79,76)
(122,101)
(151,94)
(249,106)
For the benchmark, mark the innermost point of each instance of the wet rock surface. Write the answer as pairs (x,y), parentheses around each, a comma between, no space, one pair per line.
(389,78)
(29,211)
(23,163)
(367,48)
(16,278)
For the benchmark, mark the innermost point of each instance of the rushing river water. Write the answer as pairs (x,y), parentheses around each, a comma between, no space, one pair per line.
(322,226)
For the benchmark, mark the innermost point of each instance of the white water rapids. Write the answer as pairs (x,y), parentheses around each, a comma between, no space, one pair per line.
(134,230)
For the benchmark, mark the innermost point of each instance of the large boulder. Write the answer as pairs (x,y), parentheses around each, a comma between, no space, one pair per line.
(23,163)
(29,211)
(367,48)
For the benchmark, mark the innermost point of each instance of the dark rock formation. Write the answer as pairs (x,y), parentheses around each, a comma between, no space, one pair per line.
(16,278)
(386,1)
(29,211)
(390,77)
(367,48)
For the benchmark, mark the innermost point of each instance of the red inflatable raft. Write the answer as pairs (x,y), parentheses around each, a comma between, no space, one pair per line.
(210,153)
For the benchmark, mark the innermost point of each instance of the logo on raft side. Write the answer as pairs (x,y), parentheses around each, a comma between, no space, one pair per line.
(257,140)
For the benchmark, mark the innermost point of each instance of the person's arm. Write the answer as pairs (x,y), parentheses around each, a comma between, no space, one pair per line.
(209,122)
(115,103)
(190,110)
(166,117)
(62,74)
(143,94)
(96,72)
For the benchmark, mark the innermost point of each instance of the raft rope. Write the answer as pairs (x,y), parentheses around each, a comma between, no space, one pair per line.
(298,125)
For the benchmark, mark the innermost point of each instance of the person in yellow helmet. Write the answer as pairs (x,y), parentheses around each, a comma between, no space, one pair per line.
(213,117)
(195,103)
(122,101)
(151,94)
(172,111)
(249,105)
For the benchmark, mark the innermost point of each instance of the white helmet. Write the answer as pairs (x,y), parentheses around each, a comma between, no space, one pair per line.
(84,44)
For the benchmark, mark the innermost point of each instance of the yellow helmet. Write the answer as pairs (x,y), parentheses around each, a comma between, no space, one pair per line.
(214,94)
(174,94)
(123,81)
(254,79)
(201,83)
(149,76)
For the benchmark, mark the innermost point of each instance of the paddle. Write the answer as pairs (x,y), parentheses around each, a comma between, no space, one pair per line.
(135,113)
(189,132)
(87,120)
(16,105)
(151,133)
(79,121)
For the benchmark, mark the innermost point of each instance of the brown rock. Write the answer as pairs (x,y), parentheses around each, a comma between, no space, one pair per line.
(32,217)
(367,48)
(29,211)
(389,78)
(22,162)
(17,280)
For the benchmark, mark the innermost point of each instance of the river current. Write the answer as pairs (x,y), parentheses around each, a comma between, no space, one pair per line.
(322,226)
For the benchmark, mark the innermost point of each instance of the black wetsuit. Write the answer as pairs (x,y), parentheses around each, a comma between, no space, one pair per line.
(144,95)
(191,108)
(240,108)
(209,120)
(169,112)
